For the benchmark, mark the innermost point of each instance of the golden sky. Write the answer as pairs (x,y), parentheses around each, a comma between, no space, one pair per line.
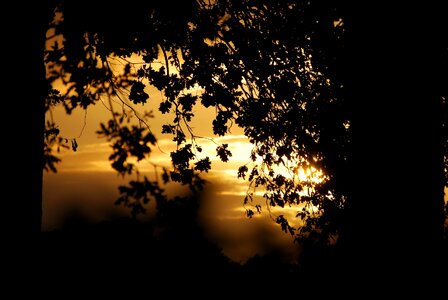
(86,182)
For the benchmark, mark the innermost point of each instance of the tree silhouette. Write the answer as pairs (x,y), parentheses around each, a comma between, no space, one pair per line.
(399,140)
(315,85)
(29,88)
(265,82)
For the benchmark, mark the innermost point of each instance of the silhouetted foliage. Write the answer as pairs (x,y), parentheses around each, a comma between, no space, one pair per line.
(240,58)
(274,68)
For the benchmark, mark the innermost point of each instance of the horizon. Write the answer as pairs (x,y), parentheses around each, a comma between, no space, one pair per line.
(86,183)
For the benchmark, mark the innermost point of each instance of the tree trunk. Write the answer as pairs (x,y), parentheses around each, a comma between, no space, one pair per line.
(395,214)
(26,81)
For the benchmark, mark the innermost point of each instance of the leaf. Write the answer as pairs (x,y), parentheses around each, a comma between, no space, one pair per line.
(204,165)
(219,124)
(165,106)
(187,101)
(181,157)
(165,176)
(223,153)
(179,137)
(175,176)
(138,95)
(168,129)
(242,172)
(248,198)
(284,224)
(74,145)
(207,100)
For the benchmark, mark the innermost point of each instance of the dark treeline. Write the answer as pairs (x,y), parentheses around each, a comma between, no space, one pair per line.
(167,256)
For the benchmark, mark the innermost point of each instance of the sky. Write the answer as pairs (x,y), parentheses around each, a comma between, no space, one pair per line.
(86,183)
